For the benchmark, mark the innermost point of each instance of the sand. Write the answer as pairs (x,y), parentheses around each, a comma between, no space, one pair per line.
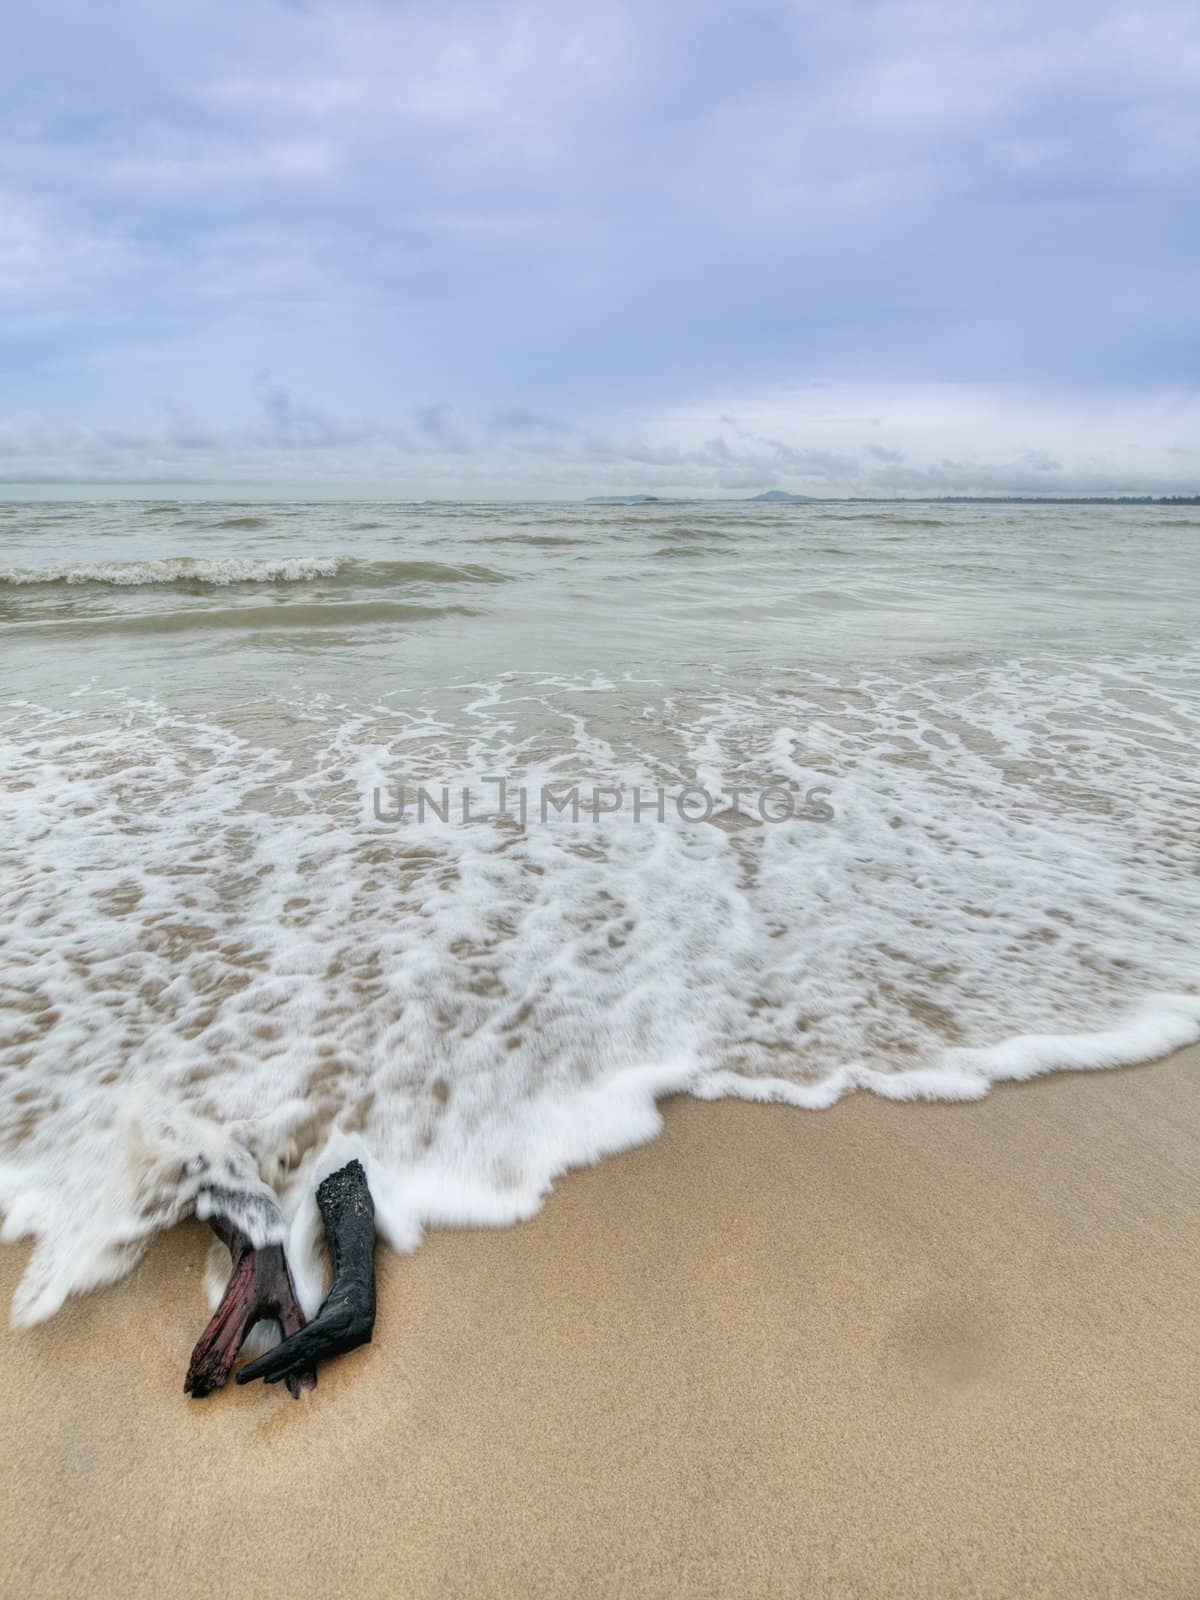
(881,1351)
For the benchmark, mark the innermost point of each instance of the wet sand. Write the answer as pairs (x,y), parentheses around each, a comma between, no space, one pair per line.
(880,1351)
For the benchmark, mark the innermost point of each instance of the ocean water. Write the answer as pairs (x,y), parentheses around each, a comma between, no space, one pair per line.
(892,798)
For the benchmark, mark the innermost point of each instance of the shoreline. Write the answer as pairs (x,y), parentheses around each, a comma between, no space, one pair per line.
(921,1349)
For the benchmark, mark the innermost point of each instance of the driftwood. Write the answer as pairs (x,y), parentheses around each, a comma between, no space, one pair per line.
(260,1287)
(347,1315)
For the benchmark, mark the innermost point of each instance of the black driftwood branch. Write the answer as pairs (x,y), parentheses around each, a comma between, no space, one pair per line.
(260,1287)
(347,1315)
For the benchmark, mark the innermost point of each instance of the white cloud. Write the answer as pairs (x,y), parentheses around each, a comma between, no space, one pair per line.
(937,439)
(610,214)
(49,260)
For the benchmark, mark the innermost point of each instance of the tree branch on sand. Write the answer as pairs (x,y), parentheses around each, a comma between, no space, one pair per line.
(260,1287)
(347,1315)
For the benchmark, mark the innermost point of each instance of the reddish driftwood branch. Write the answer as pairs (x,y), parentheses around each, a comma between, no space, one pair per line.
(260,1286)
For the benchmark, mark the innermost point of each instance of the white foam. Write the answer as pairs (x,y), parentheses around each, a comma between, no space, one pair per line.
(219,571)
(1164,1023)
(222,968)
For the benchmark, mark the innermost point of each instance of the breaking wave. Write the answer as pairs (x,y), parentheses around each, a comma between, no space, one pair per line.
(224,966)
(224,959)
(220,571)
(225,571)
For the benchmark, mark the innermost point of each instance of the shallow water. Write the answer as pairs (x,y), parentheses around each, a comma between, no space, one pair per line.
(231,949)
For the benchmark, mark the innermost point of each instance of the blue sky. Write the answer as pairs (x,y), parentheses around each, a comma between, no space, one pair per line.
(508,249)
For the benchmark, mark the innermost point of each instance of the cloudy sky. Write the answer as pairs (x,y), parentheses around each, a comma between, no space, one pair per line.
(482,247)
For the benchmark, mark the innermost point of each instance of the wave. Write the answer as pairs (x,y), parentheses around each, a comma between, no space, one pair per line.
(226,571)
(1162,1024)
(547,541)
(218,571)
(688,550)
(222,957)
(315,614)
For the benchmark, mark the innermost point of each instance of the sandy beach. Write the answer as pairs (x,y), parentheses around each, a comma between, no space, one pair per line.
(602,693)
(923,1350)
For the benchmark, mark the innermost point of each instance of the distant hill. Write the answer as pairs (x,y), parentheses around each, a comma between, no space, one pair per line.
(781,497)
(621,500)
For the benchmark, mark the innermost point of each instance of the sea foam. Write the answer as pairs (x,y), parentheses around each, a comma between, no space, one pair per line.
(223,967)
(219,571)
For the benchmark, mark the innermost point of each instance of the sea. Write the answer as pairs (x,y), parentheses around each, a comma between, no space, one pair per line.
(456,836)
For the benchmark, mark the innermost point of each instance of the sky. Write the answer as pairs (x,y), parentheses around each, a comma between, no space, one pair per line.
(481,248)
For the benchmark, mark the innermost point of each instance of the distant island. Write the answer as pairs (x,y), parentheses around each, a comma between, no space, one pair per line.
(782,497)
